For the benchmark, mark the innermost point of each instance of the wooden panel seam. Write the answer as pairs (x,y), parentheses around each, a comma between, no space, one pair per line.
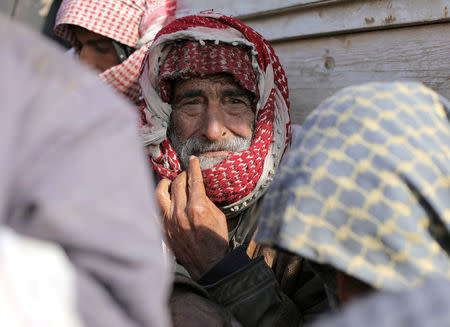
(296,7)
(359,30)
(350,16)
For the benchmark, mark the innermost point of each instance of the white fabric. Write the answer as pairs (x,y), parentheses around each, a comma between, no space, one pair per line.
(45,297)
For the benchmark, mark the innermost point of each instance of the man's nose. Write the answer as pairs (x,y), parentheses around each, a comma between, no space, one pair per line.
(87,59)
(214,125)
(84,56)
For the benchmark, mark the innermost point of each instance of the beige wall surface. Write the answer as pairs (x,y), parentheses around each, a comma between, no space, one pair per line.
(278,20)
(316,68)
(29,12)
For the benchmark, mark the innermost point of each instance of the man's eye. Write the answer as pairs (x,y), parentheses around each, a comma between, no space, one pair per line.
(191,102)
(239,101)
(190,107)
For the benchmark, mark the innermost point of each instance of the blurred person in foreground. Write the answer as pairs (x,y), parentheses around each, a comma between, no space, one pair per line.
(112,36)
(217,109)
(68,148)
(365,189)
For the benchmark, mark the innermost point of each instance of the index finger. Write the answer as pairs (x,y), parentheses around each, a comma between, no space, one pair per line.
(195,178)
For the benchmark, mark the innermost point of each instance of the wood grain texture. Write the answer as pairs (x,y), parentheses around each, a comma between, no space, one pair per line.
(249,8)
(317,68)
(280,20)
(349,16)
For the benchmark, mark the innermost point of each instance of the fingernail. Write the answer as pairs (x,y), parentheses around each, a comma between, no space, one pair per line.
(191,157)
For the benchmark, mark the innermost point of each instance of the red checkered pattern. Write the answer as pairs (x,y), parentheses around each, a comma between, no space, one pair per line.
(125,21)
(189,59)
(236,177)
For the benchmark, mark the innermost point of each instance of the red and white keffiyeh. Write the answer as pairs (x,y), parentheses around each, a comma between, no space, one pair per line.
(243,176)
(130,22)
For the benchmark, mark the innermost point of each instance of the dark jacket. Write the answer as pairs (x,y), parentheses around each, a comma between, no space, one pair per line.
(260,286)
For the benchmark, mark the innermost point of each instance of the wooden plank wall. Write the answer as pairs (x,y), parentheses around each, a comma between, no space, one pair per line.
(29,12)
(330,44)
(316,68)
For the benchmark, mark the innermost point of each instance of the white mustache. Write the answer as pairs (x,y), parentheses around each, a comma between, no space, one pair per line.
(196,145)
(199,145)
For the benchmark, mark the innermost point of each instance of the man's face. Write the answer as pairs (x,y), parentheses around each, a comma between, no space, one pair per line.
(96,50)
(211,117)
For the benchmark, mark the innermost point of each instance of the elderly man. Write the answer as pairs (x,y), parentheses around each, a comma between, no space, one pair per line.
(218,125)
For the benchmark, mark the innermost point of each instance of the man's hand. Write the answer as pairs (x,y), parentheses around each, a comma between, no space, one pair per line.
(196,229)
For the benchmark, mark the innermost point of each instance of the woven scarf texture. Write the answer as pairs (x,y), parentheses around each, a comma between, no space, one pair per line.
(243,176)
(192,59)
(130,22)
(365,187)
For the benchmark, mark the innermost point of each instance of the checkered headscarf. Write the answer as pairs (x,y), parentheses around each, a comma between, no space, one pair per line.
(130,22)
(211,43)
(192,59)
